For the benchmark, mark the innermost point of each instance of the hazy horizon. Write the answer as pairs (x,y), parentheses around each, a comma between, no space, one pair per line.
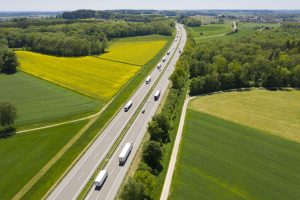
(67,5)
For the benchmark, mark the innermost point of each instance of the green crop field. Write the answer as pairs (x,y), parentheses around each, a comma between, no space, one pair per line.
(224,160)
(218,31)
(23,155)
(38,101)
(99,77)
(275,112)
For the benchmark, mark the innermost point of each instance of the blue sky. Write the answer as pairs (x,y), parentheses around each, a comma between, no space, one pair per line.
(60,5)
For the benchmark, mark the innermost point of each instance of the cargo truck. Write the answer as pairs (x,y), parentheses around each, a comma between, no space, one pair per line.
(128,106)
(164,59)
(148,80)
(156,95)
(125,153)
(100,179)
(159,66)
(168,53)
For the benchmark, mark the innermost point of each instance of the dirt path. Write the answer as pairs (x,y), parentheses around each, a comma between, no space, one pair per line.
(172,164)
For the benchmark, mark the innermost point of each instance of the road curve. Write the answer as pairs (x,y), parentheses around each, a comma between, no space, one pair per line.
(75,180)
(135,133)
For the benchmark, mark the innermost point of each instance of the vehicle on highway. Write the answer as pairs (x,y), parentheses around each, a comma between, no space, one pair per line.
(100,179)
(143,111)
(128,106)
(164,59)
(148,80)
(168,53)
(179,50)
(156,95)
(125,153)
(159,66)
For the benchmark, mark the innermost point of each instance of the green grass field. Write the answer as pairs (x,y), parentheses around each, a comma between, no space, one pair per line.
(224,160)
(275,112)
(218,31)
(23,155)
(38,101)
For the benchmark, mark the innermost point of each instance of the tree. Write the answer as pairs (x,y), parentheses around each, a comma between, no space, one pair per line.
(155,131)
(296,76)
(8,114)
(164,125)
(147,179)
(133,190)
(152,154)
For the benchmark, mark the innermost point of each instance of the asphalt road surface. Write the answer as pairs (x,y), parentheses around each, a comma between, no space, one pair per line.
(73,183)
(135,135)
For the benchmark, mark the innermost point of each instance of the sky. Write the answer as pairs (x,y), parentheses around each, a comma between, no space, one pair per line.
(65,5)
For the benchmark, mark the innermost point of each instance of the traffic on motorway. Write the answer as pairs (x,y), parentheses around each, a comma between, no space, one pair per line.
(136,133)
(113,173)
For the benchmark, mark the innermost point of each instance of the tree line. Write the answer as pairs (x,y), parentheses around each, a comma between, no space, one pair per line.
(265,59)
(189,21)
(80,38)
(161,129)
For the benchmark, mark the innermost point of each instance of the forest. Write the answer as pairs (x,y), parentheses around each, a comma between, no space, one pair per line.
(268,59)
(77,38)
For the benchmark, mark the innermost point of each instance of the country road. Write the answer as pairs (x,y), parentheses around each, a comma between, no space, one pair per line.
(75,180)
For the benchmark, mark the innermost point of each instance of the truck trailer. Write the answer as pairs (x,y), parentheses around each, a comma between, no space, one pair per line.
(100,179)
(148,80)
(125,153)
(156,95)
(128,106)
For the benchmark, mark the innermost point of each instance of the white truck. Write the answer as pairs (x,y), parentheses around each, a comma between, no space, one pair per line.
(128,106)
(164,59)
(125,153)
(100,179)
(148,80)
(156,95)
(159,66)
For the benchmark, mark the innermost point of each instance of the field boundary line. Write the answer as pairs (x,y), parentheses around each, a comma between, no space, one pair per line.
(169,176)
(53,160)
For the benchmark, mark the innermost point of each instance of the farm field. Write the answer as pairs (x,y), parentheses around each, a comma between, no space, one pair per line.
(38,101)
(99,77)
(224,160)
(23,155)
(217,31)
(210,30)
(275,112)
(135,50)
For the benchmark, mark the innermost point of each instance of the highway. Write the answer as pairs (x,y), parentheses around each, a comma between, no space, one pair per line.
(135,135)
(75,180)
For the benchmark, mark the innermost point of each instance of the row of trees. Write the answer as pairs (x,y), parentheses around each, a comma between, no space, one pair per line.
(130,16)
(267,59)
(8,59)
(78,39)
(160,129)
(190,21)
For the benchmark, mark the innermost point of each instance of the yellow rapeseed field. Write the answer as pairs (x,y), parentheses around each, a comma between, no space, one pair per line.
(97,76)
(94,77)
(276,112)
(133,52)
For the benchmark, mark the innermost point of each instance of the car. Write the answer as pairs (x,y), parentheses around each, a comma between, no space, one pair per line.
(143,111)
